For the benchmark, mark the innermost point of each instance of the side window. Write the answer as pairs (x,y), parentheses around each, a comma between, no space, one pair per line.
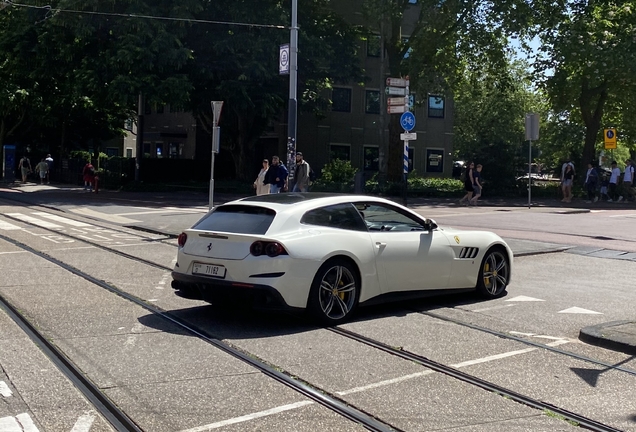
(383,217)
(343,216)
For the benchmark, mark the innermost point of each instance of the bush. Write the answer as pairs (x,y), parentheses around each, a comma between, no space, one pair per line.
(337,176)
(417,186)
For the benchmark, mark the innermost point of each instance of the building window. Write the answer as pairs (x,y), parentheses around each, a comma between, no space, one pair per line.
(341,99)
(436,106)
(371,159)
(112,151)
(372,102)
(175,150)
(340,151)
(146,150)
(434,160)
(373,46)
(129,153)
(159,150)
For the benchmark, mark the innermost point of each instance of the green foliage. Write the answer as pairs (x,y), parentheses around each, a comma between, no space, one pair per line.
(338,171)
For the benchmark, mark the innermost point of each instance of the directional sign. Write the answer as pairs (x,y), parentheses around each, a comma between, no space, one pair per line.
(408,136)
(396,109)
(397,101)
(610,138)
(407,121)
(395,91)
(397,82)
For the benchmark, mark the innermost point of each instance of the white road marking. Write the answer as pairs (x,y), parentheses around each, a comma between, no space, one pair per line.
(623,215)
(249,417)
(521,333)
(161,211)
(135,330)
(6,226)
(524,299)
(84,423)
(578,310)
(494,308)
(19,423)
(62,219)
(104,216)
(34,221)
(282,408)
(163,281)
(12,252)
(5,391)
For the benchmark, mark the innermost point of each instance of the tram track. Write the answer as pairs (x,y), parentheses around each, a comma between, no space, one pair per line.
(332,401)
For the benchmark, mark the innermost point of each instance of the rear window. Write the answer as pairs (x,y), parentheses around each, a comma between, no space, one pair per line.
(238,219)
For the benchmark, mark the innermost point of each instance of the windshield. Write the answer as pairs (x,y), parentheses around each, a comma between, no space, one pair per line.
(238,219)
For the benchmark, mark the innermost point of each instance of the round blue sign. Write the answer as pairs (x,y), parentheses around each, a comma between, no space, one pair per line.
(407,121)
(610,134)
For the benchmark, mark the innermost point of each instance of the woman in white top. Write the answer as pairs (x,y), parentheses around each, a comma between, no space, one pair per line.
(262,189)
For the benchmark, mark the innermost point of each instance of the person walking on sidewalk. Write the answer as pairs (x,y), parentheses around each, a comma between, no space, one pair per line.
(43,170)
(301,178)
(468,183)
(49,162)
(259,183)
(591,180)
(25,168)
(628,181)
(476,185)
(89,176)
(568,180)
(276,176)
(613,182)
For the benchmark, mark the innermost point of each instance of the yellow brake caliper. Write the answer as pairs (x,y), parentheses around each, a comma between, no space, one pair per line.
(486,269)
(341,294)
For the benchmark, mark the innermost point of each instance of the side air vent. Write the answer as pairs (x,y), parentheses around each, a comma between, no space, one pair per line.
(468,252)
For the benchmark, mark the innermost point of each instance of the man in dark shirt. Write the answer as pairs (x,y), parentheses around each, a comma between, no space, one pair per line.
(276,176)
(476,185)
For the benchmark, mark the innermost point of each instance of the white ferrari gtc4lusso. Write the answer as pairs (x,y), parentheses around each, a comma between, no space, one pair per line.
(330,253)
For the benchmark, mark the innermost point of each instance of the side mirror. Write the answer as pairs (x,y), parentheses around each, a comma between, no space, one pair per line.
(430,224)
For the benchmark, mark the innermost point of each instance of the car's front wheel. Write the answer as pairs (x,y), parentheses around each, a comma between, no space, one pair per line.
(494,273)
(334,292)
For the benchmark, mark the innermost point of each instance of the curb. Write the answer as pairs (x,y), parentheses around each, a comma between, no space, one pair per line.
(612,335)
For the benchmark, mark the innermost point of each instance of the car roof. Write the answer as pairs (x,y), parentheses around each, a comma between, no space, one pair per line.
(302,201)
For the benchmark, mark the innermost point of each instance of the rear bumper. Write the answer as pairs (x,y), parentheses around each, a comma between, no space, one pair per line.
(222,291)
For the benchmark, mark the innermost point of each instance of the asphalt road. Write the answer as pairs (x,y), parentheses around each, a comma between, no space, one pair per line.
(171,381)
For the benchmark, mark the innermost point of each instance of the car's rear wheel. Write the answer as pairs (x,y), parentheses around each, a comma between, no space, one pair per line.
(494,273)
(334,292)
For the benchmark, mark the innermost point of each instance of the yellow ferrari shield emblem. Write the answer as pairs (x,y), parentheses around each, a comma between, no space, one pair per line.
(457,239)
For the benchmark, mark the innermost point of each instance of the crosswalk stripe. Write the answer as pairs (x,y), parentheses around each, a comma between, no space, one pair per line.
(104,216)
(5,391)
(19,423)
(34,221)
(6,226)
(62,219)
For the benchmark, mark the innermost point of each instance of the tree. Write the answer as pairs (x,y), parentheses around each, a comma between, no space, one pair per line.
(587,64)
(445,35)
(238,64)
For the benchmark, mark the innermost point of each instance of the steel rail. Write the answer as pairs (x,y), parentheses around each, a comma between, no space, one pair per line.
(319,396)
(116,417)
(581,420)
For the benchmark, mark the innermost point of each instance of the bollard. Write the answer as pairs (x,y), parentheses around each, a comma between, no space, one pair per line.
(96,182)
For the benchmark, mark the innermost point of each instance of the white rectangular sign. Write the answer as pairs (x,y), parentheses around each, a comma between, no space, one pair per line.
(395,91)
(398,101)
(397,82)
(395,109)
(408,136)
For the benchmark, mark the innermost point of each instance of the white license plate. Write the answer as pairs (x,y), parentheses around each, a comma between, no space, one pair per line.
(209,270)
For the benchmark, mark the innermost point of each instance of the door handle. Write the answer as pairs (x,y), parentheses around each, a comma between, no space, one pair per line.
(380,244)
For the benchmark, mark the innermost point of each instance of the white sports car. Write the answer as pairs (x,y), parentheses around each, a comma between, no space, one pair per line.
(330,253)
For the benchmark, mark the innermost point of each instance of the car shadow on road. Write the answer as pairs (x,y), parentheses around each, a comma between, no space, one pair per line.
(235,323)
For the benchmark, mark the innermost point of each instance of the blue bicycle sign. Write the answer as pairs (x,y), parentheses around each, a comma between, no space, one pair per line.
(407,121)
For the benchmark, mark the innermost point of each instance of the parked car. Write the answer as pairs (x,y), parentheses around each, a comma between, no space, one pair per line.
(330,253)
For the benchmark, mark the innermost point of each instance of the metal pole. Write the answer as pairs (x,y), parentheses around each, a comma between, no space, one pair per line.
(529,173)
(141,108)
(383,147)
(216,141)
(293,99)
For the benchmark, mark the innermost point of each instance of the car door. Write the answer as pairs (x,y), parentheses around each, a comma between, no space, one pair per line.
(408,256)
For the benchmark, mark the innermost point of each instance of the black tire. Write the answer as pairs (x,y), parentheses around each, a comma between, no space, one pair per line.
(493,283)
(334,292)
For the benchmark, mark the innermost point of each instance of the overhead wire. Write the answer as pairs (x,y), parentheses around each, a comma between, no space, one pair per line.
(51,9)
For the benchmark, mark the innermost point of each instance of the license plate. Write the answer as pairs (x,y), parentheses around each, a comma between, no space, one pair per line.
(209,270)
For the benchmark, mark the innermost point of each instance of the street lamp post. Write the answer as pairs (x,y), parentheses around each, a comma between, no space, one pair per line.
(293,98)
(216,139)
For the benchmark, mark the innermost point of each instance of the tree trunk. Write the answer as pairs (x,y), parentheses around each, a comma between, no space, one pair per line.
(592,101)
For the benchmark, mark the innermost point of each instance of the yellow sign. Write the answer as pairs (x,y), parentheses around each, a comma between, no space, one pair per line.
(457,239)
(610,138)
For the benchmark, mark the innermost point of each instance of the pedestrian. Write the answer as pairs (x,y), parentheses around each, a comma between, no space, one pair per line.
(302,175)
(89,176)
(613,183)
(259,183)
(591,180)
(43,169)
(567,162)
(628,181)
(25,168)
(604,185)
(477,185)
(567,181)
(276,176)
(49,161)
(468,183)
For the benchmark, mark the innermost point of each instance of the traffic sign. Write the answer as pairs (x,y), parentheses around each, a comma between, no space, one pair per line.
(397,101)
(397,82)
(610,138)
(395,91)
(396,109)
(407,121)
(408,136)
(283,60)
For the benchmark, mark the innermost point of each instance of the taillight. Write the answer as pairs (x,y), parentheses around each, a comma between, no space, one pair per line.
(181,240)
(271,249)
